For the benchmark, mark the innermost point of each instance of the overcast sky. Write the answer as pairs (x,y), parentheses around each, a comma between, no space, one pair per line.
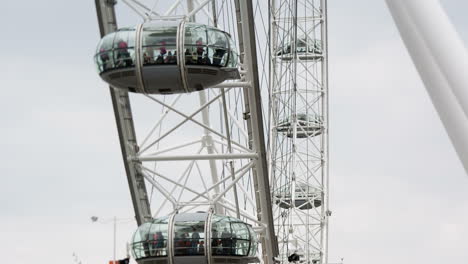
(398,192)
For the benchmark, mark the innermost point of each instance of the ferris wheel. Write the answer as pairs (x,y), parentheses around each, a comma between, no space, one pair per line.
(222,113)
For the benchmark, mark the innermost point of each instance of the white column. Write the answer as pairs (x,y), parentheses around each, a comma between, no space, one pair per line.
(443,43)
(437,85)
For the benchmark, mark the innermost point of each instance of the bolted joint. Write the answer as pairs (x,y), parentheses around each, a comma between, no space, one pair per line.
(246,115)
(207,141)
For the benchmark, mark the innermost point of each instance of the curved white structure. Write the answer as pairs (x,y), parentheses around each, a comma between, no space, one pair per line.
(426,51)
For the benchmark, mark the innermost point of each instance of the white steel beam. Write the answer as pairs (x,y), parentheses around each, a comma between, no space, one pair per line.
(200,157)
(437,85)
(124,119)
(247,25)
(325,213)
(442,40)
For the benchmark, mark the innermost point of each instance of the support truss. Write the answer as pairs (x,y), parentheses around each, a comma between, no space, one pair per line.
(299,128)
(204,150)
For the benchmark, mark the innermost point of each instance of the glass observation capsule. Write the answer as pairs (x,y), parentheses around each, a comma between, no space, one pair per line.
(192,238)
(305,197)
(166,57)
(307,49)
(307,126)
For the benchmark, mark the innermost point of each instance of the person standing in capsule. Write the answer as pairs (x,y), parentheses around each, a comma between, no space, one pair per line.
(219,52)
(226,241)
(200,50)
(162,53)
(123,56)
(195,241)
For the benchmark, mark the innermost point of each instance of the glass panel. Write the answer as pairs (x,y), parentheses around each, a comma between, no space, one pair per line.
(241,247)
(195,45)
(116,50)
(221,234)
(104,59)
(315,46)
(131,36)
(125,35)
(198,55)
(240,238)
(217,38)
(233,58)
(106,42)
(189,236)
(232,44)
(158,238)
(124,56)
(218,56)
(159,44)
(240,231)
(253,242)
(229,236)
(218,47)
(159,34)
(153,55)
(150,240)
(195,34)
(140,245)
(302,45)
(142,233)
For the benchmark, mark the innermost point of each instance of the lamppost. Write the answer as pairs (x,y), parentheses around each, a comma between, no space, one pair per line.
(95,219)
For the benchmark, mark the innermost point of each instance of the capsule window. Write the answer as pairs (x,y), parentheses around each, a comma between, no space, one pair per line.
(234,56)
(124,48)
(301,45)
(253,242)
(221,234)
(104,56)
(195,45)
(159,34)
(150,240)
(316,47)
(140,242)
(160,54)
(217,38)
(240,239)
(189,237)
(158,239)
(159,44)
(218,47)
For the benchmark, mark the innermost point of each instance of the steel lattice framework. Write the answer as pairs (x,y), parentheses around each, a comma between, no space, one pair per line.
(299,127)
(204,150)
